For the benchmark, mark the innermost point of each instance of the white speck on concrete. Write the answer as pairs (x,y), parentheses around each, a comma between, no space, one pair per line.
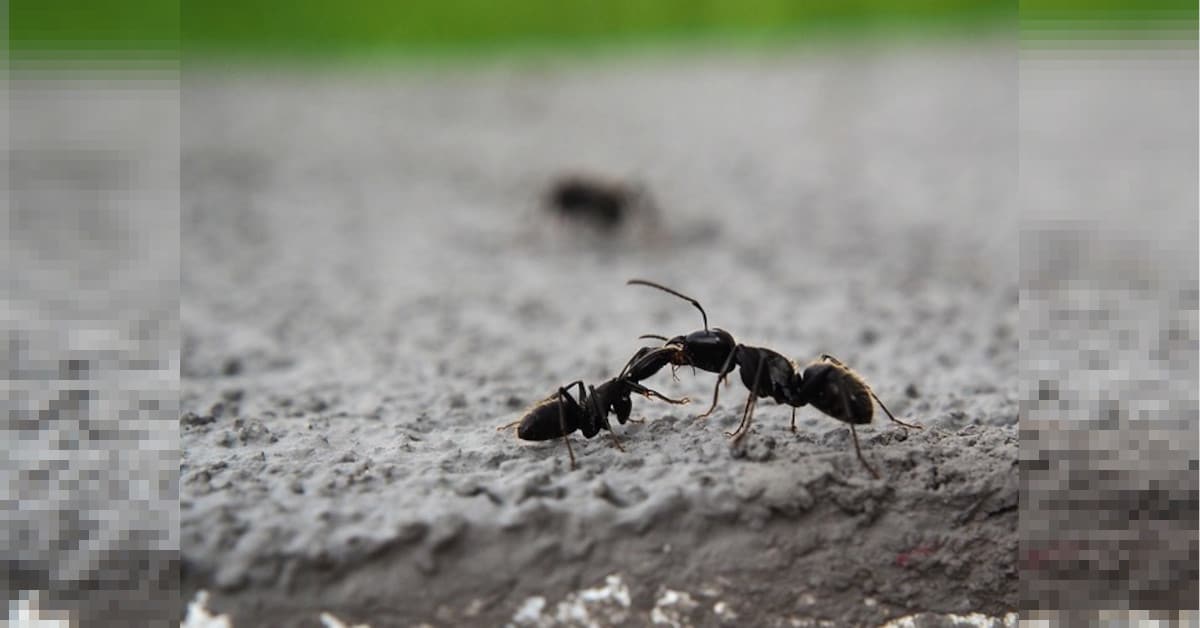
(605,605)
(26,612)
(199,617)
(972,619)
(614,589)
(724,612)
(598,606)
(530,612)
(333,622)
(672,609)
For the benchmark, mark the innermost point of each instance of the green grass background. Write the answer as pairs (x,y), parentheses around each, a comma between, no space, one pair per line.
(313,29)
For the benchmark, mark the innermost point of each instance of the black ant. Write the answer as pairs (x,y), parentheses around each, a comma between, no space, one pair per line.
(560,414)
(826,383)
(605,205)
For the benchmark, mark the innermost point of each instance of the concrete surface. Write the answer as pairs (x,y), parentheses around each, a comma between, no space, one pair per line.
(90,438)
(368,291)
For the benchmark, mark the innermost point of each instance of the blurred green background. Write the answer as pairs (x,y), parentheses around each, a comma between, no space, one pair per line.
(321,28)
(374,28)
(456,26)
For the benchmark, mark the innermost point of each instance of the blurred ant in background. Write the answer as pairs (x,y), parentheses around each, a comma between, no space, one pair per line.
(560,414)
(601,204)
(826,383)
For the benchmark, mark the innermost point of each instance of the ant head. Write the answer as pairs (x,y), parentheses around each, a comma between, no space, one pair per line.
(707,349)
(613,396)
(648,361)
(622,407)
(715,337)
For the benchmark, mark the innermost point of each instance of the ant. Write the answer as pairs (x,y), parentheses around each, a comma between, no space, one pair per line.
(826,383)
(605,205)
(560,414)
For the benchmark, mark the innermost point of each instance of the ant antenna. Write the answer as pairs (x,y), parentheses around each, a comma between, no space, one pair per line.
(654,336)
(643,282)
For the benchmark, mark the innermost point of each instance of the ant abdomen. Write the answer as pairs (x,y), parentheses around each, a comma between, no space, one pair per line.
(838,392)
(543,422)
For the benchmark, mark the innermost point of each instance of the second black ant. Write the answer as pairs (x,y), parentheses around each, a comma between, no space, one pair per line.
(561,413)
(826,383)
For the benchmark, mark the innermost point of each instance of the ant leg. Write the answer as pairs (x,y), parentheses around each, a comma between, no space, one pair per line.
(654,394)
(508,425)
(748,412)
(725,370)
(562,422)
(793,419)
(745,411)
(657,395)
(889,412)
(565,390)
(616,441)
(858,451)
(716,394)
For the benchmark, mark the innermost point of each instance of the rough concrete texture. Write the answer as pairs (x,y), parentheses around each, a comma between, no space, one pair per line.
(1110,326)
(369,291)
(89,450)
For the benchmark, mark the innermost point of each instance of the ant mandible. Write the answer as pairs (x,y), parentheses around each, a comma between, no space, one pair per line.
(826,383)
(560,414)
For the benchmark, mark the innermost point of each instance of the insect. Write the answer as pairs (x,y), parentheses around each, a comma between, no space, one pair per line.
(561,413)
(826,383)
(605,205)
